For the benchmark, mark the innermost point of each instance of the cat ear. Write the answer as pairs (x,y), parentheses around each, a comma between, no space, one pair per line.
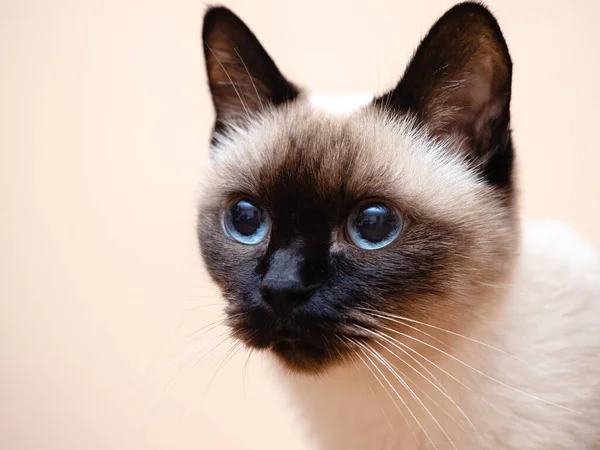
(459,82)
(243,79)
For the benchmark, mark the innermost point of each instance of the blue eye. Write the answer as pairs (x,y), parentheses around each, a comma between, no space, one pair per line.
(374,225)
(245,222)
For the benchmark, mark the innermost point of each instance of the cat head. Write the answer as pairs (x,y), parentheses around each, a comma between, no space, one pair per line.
(321,226)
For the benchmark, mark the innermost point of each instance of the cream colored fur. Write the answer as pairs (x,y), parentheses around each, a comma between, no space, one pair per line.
(533,307)
(549,319)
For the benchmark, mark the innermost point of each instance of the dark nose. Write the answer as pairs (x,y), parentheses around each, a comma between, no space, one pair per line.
(283,288)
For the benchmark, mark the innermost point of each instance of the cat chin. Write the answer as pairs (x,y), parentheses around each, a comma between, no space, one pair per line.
(300,357)
(303,359)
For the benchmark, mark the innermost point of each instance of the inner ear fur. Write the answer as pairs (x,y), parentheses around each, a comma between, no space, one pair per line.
(459,83)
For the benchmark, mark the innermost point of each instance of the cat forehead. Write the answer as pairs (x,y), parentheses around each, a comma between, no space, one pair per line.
(321,141)
(341,144)
(339,105)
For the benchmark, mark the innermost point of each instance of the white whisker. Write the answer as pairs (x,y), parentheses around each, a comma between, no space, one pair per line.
(382,336)
(439,341)
(224,337)
(478,371)
(424,392)
(228,356)
(443,391)
(211,326)
(391,398)
(246,369)
(387,419)
(388,316)
(412,393)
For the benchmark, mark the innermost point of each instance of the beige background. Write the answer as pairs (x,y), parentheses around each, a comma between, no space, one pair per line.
(104,120)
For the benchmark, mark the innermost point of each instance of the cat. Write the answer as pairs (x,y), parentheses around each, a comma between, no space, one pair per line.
(372,246)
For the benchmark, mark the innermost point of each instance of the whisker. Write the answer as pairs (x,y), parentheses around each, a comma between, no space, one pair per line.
(429,361)
(393,316)
(211,325)
(429,335)
(196,307)
(444,410)
(382,336)
(453,378)
(228,356)
(390,396)
(206,328)
(183,318)
(196,348)
(443,391)
(416,385)
(387,419)
(246,370)
(394,372)
(224,336)
(479,371)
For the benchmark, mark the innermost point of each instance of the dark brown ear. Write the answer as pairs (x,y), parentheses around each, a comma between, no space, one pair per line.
(243,78)
(459,82)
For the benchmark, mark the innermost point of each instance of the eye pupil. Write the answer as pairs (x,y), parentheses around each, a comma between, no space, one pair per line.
(245,222)
(374,226)
(245,217)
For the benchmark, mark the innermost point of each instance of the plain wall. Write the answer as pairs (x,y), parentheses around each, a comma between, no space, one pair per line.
(105,119)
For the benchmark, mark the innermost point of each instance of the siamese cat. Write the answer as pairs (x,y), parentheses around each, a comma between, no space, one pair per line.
(372,245)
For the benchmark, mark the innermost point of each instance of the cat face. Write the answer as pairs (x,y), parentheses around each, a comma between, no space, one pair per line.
(317,226)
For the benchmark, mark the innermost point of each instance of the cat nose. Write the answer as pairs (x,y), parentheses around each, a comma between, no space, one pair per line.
(285,294)
(282,287)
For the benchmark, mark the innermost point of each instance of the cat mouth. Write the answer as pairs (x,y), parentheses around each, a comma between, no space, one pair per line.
(298,345)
